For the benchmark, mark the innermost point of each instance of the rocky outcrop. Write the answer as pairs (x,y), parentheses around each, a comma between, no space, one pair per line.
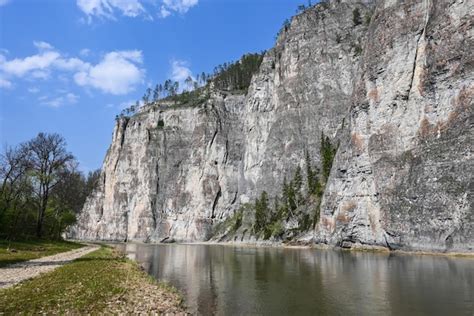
(168,174)
(403,173)
(394,88)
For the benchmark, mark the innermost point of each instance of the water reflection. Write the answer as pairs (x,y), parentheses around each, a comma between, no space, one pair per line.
(226,280)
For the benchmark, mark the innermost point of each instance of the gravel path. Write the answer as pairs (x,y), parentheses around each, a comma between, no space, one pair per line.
(15,273)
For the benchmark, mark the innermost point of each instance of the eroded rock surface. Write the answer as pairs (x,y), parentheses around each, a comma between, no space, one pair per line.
(403,173)
(396,92)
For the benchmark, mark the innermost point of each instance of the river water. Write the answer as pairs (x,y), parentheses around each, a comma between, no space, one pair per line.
(234,280)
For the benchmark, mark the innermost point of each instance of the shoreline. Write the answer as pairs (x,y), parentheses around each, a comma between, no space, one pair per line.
(356,248)
(102,281)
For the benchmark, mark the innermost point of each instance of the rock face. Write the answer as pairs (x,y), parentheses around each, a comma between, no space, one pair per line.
(394,88)
(402,177)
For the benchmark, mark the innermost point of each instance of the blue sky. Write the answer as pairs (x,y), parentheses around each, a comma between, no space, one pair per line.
(69,66)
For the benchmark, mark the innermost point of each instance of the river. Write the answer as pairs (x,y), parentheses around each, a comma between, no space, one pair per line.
(237,280)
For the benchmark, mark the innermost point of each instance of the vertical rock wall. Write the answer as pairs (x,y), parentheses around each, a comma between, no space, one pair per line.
(396,92)
(403,172)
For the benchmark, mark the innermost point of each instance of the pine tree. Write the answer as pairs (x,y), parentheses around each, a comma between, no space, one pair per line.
(146,96)
(297,180)
(356,19)
(167,87)
(328,151)
(175,88)
(261,212)
(157,92)
(297,184)
(310,175)
(189,83)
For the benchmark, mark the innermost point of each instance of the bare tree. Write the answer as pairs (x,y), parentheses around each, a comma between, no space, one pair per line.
(48,159)
(14,164)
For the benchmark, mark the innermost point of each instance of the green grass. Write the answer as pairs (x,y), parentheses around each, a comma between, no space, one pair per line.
(17,251)
(83,286)
(93,284)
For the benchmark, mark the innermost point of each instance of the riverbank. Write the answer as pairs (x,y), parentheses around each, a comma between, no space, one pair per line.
(19,251)
(355,248)
(22,271)
(103,281)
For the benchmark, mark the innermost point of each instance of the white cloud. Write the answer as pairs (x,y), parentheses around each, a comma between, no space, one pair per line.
(107,8)
(72,98)
(71,64)
(131,8)
(67,98)
(85,52)
(4,2)
(128,104)
(164,12)
(99,8)
(40,74)
(19,67)
(43,45)
(5,84)
(180,6)
(40,64)
(33,90)
(180,71)
(118,73)
(54,103)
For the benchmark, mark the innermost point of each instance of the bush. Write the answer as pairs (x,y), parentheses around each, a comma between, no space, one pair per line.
(368,18)
(237,220)
(357,50)
(304,223)
(356,18)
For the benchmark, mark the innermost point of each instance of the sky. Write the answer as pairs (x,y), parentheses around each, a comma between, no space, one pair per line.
(70,66)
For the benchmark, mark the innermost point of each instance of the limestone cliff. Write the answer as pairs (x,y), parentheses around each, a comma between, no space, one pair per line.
(394,89)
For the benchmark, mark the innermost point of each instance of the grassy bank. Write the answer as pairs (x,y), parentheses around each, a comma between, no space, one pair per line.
(17,251)
(103,281)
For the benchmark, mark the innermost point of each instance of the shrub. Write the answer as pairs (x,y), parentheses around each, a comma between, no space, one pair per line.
(357,50)
(368,18)
(356,18)
(237,220)
(261,212)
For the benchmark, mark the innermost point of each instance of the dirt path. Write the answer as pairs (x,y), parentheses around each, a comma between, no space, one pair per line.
(15,273)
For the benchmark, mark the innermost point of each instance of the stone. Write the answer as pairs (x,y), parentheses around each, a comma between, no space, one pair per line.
(395,93)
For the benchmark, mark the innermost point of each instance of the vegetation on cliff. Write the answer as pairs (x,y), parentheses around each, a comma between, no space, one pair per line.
(232,77)
(296,209)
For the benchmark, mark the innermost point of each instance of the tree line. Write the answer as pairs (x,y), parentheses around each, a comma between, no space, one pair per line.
(237,75)
(42,189)
(231,76)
